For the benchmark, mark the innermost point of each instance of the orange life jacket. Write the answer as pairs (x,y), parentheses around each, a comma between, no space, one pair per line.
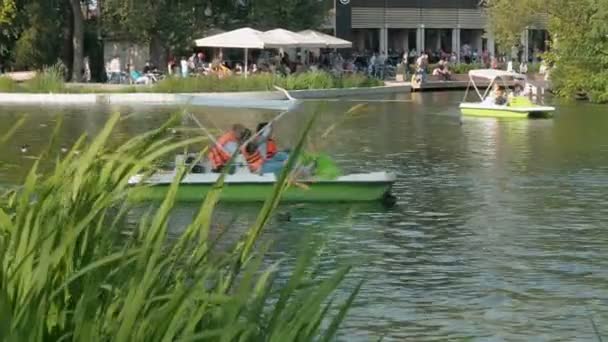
(271,148)
(254,160)
(217,155)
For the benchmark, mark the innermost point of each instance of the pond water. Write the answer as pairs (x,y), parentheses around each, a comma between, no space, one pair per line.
(499,233)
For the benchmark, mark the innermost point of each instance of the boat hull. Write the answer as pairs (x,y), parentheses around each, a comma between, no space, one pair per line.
(243,192)
(352,188)
(505,111)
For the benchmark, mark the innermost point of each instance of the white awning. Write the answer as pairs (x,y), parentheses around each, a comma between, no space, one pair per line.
(281,38)
(491,74)
(327,40)
(244,38)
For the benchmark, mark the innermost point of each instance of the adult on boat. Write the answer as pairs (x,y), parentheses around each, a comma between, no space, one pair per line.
(497,96)
(267,146)
(226,146)
(251,152)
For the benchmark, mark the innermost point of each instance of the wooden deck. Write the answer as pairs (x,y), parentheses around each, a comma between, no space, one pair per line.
(461,81)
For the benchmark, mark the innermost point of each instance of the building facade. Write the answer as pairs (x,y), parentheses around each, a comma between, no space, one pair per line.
(400,25)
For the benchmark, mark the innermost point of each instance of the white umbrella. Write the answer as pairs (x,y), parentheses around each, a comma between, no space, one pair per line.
(244,38)
(327,40)
(281,38)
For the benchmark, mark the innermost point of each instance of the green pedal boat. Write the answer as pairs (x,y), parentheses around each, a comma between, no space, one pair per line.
(517,107)
(248,187)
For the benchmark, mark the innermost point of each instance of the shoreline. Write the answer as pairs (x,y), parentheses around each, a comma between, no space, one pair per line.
(270,99)
(275,100)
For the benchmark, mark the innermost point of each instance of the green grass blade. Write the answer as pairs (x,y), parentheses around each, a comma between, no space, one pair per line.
(333,327)
(9,134)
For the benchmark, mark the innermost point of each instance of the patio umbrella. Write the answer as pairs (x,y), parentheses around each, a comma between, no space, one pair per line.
(243,38)
(327,40)
(281,38)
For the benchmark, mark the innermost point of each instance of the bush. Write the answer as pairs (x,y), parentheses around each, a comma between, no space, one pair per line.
(50,80)
(309,80)
(359,81)
(214,84)
(67,273)
(8,85)
(262,82)
(463,68)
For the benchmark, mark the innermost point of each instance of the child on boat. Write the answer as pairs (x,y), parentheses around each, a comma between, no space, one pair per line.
(500,97)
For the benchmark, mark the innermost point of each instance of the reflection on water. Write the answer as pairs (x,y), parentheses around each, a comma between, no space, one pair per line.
(499,233)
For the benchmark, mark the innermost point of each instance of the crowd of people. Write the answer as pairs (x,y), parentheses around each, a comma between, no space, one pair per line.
(259,62)
(381,65)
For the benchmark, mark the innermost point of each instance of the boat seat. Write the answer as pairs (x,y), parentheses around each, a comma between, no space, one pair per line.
(520,101)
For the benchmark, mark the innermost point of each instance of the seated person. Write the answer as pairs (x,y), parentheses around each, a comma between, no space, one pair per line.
(227,144)
(500,96)
(274,160)
(442,71)
(252,155)
(491,98)
(138,78)
(518,90)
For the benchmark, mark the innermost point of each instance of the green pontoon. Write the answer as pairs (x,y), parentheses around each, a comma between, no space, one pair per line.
(247,187)
(518,107)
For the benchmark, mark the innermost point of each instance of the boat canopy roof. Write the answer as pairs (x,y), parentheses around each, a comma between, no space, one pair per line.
(491,74)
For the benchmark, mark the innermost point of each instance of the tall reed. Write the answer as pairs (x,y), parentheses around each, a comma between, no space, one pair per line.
(64,275)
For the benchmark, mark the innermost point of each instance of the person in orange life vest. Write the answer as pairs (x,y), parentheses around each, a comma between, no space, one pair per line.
(252,154)
(226,146)
(267,146)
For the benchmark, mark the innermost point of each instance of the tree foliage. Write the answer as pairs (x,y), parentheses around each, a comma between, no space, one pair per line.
(37,45)
(579,47)
(178,22)
(32,31)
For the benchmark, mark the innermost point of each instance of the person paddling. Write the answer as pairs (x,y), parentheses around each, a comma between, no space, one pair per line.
(251,152)
(226,146)
(267,146)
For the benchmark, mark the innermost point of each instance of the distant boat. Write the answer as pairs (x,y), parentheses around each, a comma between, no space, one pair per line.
(519,107)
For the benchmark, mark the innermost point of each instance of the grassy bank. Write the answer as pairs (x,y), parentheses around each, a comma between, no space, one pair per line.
(68,272)
(49,82)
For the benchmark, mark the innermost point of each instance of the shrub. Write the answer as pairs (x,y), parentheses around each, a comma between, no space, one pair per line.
(214,84)
(8,85)
(50,80)
(359,81)
(262,82)
(463,68)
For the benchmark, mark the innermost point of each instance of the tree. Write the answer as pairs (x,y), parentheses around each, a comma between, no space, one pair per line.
(174,24)
(77,40)
(579,47)
(288,14)
(37,45)
(507,19)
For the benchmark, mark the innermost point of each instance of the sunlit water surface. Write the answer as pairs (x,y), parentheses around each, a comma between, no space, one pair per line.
(499,233)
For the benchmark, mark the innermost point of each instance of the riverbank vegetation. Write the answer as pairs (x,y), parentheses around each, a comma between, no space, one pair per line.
(72,269)
(578,53)
(51,81)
